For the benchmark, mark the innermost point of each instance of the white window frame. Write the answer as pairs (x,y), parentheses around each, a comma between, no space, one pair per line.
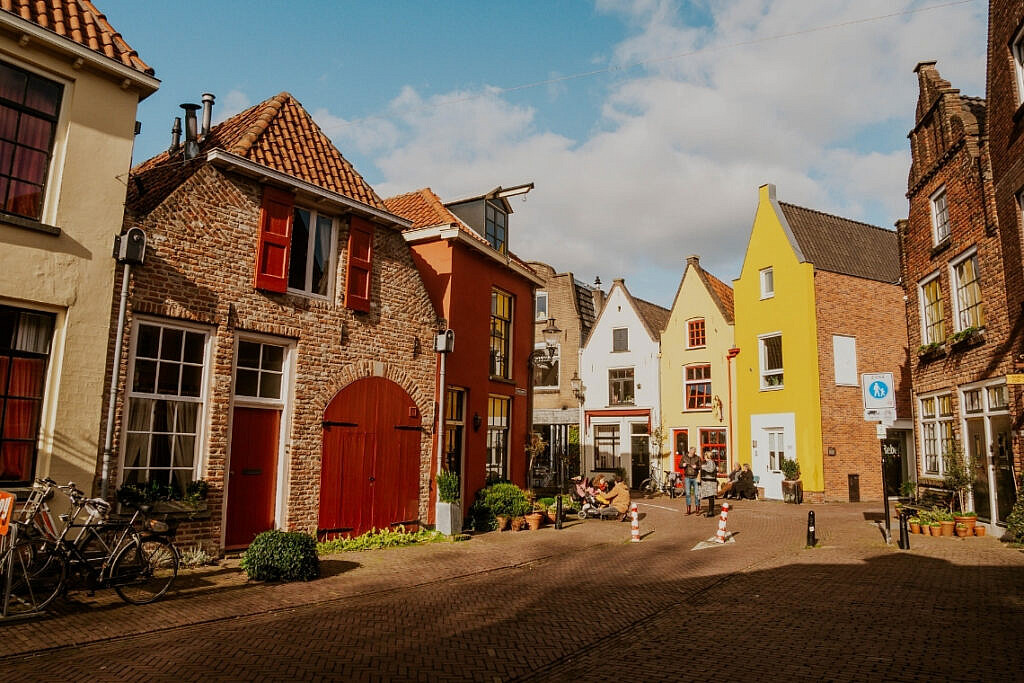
(923,306)
(1017,50)
(556,358)
(198,462)
(935,211)
(331,271)
(955,285)
(766,274)
(762,356)
(933,425)
(258,401)
(844,378)
(537,315)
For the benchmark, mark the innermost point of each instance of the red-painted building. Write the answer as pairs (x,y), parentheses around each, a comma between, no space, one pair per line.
(485,293)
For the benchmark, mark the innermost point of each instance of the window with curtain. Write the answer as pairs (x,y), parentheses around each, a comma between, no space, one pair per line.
(29,108)
(933,329)
(497,436)
(967,285)
(771,361)
(25,338)
(936,431)
(310,267)
(165,405)
(501,334)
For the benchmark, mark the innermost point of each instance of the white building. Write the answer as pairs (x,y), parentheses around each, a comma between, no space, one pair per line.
(619,369)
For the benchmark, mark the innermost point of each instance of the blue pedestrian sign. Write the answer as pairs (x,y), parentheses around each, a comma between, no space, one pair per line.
(878,391)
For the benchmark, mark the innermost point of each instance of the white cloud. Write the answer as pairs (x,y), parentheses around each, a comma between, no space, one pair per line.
(674,166)
(229,105)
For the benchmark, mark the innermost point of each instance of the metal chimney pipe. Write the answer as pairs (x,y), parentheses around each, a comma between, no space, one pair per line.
(175,135)
(191,138)
(208,98)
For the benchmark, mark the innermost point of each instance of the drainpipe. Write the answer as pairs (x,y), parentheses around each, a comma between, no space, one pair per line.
(729,356)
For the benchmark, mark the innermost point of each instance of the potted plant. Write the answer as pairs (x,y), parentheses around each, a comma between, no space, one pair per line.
(935,528)
(946,522)
(792,487)
(957,476)
(928,352)
(448,510)
(908,490)
(535,519)
(506,500)
(967,337)
(962,530)
(969,519)
(915,525)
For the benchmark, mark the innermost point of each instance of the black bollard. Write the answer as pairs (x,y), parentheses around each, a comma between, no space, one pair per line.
(811,538)
(904,531)
(558,512)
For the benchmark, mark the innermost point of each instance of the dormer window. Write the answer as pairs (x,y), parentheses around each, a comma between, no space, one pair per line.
(496,228)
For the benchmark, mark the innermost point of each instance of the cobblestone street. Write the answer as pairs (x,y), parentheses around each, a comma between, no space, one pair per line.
(572,604)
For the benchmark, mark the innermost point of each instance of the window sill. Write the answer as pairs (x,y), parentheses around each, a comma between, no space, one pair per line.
(621,405)
(692,348)
(29,224)
(697,410)
(942,246)
(503,380)
(777,387)
(765,297)
(546,390)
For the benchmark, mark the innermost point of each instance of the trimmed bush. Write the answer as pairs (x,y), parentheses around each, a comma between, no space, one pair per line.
(282,556)
(447,487)
(790,469)
(506,499)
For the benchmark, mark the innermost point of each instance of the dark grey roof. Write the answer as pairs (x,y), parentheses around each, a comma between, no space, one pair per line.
(585,305)
(840,245)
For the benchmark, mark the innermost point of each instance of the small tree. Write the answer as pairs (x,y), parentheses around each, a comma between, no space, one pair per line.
(957,475)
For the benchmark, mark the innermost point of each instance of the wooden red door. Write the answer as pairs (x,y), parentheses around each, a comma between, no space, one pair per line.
(252,477)
(370,462)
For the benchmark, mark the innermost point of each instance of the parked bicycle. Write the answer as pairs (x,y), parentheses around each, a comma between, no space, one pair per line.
(657,482)
(133,556)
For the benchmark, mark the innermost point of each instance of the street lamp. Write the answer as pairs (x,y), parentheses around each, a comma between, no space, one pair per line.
(551,336)
(577,386)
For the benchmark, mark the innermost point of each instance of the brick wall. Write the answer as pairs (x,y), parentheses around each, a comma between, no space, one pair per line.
(561,291)
(871,312)
(200,268)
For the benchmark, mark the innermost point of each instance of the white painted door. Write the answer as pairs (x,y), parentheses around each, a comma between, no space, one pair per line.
(767,463)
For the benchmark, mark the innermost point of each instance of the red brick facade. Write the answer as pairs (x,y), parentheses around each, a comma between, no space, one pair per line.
(864,309)
(200,268)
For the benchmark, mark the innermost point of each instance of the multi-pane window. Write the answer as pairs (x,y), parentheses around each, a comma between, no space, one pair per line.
(940,216)
(1018,63)
(606,447)
(933,326)
(540,306)
(25,338)
(776,449)
(545,368)
(770,351)
(620,339)
(997,397)
(970,312)
(713,441)
(695,336)
(620,387)
(454,428)
(639,441)
(936,431)
(697,386)
(311,252)
(501,334)
(259,370)
(972,402)
(29,107)
(165,405)
(497,437)
(495,228)
(767,283)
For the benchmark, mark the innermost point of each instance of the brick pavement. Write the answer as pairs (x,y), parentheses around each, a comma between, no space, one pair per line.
(552,605)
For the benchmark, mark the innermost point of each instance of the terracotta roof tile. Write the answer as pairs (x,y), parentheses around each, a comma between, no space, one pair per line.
(654,315)
(844,246)
(277,133)
(81,22)
(723,293)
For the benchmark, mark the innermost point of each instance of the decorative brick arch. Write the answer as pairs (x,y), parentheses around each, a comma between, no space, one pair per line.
(366,368)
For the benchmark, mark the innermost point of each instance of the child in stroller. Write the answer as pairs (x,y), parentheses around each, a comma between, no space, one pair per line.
(585,495)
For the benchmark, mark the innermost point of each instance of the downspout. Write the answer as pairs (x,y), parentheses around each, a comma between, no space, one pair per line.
(115,373)
(730,355)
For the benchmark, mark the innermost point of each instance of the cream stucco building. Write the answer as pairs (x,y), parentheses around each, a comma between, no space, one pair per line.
(69,89)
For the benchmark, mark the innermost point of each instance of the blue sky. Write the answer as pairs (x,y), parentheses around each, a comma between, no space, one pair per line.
(657,157)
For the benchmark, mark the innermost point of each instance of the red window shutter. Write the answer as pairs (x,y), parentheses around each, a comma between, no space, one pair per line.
(275,240)
(360,264)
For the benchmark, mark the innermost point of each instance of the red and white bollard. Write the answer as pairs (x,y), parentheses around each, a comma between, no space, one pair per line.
(722,519)
(634,524)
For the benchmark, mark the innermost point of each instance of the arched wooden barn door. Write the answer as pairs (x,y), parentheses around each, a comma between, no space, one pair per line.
(370,460)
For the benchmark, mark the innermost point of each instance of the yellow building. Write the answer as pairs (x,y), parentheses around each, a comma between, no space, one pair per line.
(817,304)
(697,382)
(69,89)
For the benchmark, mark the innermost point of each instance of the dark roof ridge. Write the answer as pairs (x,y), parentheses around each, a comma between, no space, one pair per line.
(832,215)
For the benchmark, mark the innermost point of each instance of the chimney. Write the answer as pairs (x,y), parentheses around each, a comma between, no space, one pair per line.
(175,136)
(693,260)
(597,295)
(207,113)
(191,138)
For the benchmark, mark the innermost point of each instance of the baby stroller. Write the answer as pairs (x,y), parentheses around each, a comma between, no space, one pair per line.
(590,507)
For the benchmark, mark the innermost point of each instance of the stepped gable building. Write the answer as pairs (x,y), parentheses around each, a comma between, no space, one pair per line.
(953,277)
(279,341)
(70,86)
(484,293)
(817,303)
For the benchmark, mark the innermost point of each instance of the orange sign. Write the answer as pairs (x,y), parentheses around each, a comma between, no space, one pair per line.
(6,510)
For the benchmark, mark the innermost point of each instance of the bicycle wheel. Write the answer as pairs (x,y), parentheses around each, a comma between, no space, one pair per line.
(647,486)
(37,575)
(144,570)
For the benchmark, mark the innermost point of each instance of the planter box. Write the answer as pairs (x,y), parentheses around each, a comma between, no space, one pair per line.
(448,518)
(793,491)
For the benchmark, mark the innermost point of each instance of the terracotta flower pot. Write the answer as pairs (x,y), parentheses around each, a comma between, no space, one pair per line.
(517,523)
(915,528)
(968,522)
(947,528)
(503,522)
(962,531)
(534,520)
(979,530)
(935,530)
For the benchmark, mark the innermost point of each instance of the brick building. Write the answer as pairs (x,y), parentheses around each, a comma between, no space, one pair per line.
(484,292)
(556,408)
(279,335)
(953,278)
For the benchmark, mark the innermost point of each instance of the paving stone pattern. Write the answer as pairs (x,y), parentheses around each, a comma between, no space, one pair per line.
(575,604)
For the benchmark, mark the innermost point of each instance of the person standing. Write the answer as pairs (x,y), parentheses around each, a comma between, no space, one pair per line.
(709,481)
(690,464)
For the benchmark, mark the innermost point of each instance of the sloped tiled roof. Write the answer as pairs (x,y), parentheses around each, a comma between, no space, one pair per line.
(585,305)
(840,245)
(654,315)
(81,22)
(722,292)
(277,133)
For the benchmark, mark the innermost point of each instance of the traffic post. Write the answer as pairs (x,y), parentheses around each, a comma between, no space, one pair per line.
(880,405)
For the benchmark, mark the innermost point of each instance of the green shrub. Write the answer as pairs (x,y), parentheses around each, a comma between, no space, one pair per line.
(1015,522)
(481,518)
(790,469)
(546,502)
(506,499)
(447,487)
(282,556)
(376,539)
